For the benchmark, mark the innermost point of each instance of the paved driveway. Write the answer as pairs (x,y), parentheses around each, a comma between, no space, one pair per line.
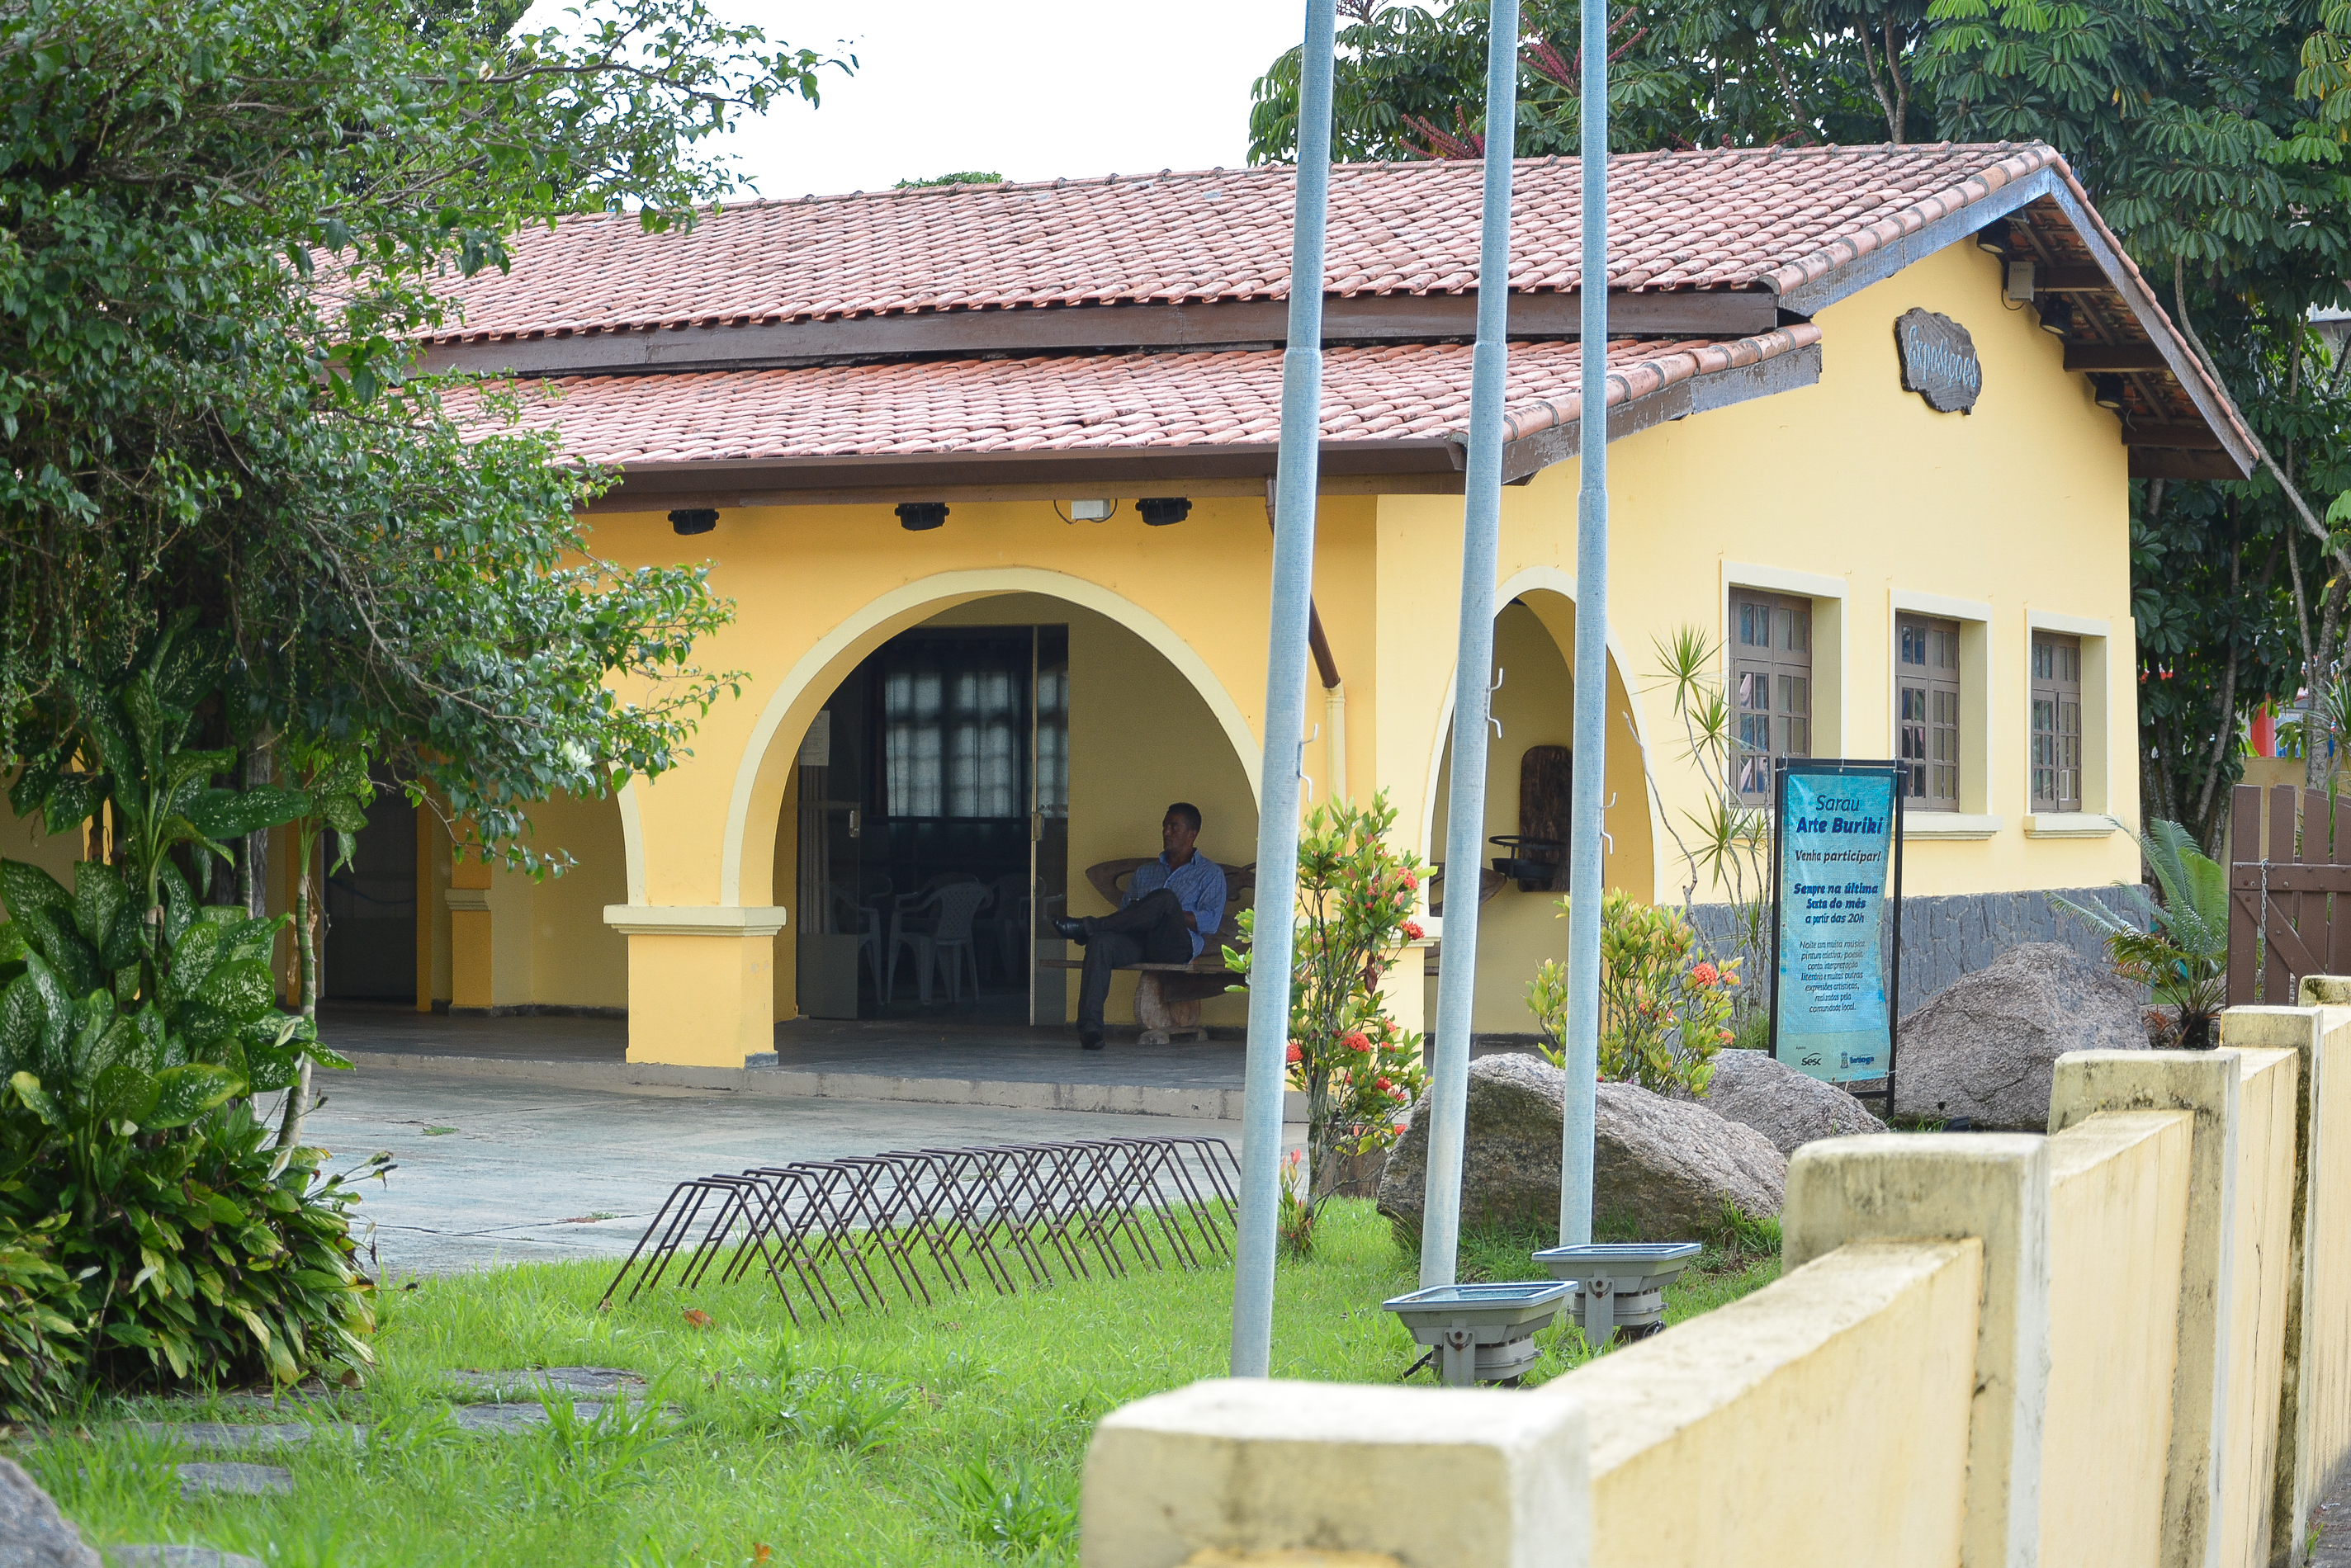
(542,1170)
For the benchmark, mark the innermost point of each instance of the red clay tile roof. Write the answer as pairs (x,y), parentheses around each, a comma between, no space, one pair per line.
(1106,401)
(1766,219)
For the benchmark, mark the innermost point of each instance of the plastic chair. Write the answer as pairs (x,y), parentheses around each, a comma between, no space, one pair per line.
(951,943)
(866,921)
(949,927)
(1007,915)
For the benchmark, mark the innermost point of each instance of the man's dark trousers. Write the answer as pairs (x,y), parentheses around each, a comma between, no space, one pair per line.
(1149,931)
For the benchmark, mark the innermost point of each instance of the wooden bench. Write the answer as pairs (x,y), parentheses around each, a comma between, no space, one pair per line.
(1167,996)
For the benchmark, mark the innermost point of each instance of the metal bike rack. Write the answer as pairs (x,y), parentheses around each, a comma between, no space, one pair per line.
(825,1232)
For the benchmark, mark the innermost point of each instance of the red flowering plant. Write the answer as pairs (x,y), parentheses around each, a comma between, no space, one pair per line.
(1356,900)
(1665,1006)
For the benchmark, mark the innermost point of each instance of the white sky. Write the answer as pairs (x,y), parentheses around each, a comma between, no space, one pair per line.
(1034,89)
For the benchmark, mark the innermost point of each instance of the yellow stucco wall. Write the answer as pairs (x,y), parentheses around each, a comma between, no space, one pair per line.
(1822,1419)
(1852,490)
(2117,1222)
(2257,1306)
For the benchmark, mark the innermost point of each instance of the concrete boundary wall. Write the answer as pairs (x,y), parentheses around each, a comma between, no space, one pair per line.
(2126,1343)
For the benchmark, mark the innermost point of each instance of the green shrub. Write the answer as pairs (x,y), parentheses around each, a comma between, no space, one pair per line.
(201,1252)
(37,1301)
(134,1023)
(1665,1007)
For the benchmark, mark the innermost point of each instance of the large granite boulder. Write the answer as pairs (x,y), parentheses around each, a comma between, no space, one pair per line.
(1756,1089)
(1662,1169)
(33,1534)
(1987,1047)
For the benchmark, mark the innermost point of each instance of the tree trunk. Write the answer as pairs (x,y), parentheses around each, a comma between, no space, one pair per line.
(298,1098)
(252,871)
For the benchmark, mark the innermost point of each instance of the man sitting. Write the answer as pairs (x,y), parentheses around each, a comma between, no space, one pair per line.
(1173,907)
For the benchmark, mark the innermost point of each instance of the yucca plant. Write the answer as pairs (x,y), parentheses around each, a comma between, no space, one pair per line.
(2181,952)
(1729,851)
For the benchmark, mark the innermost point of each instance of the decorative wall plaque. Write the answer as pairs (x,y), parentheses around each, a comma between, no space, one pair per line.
(1939,361)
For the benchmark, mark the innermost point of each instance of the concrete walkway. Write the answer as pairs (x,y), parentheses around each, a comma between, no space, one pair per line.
(940,1059)
(531,1171)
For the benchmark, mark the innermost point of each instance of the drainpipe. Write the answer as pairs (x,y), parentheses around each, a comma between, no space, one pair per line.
(1267,1067)
(1585,811)
(1334,734)
(1465,832)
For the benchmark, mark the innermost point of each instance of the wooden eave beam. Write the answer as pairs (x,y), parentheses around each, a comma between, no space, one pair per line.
(2163,462)
(2103,357)
(2200,438)
(1025,331)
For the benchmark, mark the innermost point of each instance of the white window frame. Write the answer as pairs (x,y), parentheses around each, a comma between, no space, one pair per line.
(1828,594)
(1978,745)
(2095,819)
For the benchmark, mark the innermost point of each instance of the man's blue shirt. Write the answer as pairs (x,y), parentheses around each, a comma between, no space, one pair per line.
(1199,885)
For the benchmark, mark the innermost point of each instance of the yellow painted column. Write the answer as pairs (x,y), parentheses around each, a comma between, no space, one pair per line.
(469,934)
(425,822)
(702,981)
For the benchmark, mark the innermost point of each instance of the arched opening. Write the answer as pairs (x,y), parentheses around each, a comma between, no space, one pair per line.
(1527,769)
(1004,744)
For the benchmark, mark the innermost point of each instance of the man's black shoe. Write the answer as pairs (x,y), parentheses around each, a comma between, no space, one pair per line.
(1072,930)
(1088,1041)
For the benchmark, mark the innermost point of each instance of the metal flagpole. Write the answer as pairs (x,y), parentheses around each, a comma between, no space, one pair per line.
(1585,805)
(1464,827)
(1268,1065)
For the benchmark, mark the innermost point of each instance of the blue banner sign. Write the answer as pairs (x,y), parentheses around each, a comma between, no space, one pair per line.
(1838,868)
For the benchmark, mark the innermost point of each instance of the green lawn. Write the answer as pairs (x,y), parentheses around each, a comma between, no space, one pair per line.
(920,1435)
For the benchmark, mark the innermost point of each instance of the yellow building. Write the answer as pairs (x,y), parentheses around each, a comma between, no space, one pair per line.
(892,422)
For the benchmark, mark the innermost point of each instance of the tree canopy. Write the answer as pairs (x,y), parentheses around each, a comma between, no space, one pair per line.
(2212,138)
(221,222)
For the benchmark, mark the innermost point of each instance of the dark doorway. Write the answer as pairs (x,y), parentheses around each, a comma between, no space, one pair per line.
(940,763)
(370,953)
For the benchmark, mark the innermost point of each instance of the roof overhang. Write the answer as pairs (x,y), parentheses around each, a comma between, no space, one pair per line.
(2110,273)
(1347,467)
(1094,328)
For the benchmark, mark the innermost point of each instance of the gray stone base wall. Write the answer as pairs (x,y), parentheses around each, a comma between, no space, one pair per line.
(1950,935)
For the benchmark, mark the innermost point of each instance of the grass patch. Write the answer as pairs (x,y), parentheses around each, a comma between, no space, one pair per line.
(948,1434)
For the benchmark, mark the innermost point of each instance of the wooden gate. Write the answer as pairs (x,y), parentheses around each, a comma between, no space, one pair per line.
(2289,908)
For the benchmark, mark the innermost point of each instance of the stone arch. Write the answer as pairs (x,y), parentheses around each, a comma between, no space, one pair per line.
(763,771)
(1550,593)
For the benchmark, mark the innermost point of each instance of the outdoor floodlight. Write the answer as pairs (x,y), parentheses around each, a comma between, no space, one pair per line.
(1483,1333)
(693,519)
(2107,391)
(1619,1283)
(1992,238)
(2056,316)
(1161,510)
(915,516)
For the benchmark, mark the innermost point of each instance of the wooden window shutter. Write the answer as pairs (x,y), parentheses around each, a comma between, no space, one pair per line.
(2057,722)
(1771,686)
(1926,710)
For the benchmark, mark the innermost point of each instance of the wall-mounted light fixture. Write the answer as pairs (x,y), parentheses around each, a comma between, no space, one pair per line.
(915,516)
(1161,510)
(2056,316)
(693,519)
(1992,238)
(2107,391)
